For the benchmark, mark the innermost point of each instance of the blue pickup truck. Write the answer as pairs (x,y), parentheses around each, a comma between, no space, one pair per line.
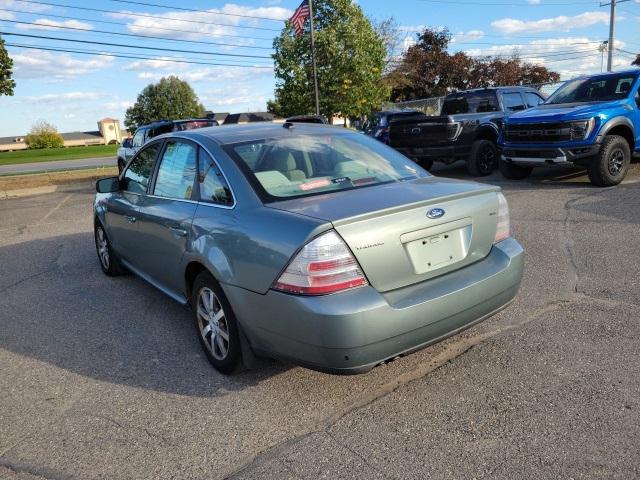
(590,121)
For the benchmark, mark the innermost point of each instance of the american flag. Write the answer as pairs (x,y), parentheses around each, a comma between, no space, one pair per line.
(299,16)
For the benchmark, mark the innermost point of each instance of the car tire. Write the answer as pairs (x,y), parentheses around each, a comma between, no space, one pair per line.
(109,261)
(514,172)
(483,158)
(214,320)
(610,165)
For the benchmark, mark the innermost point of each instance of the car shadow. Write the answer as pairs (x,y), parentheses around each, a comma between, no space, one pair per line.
(56,306)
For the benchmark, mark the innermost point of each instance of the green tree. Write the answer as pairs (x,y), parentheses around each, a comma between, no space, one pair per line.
(636,61)
(350,56)
(44,135)
(170,98)
(6,64)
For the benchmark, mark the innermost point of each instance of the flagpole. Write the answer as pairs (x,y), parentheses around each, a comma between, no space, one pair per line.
(313,59)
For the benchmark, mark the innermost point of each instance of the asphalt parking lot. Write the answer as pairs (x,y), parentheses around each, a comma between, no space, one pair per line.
(104,378)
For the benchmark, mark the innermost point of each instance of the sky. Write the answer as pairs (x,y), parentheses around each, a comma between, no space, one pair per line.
(75,83)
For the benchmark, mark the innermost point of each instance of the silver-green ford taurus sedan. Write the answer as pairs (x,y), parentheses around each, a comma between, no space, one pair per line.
(305,242)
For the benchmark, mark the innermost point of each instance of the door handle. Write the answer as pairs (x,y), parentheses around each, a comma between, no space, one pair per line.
(130,218)
(180,232)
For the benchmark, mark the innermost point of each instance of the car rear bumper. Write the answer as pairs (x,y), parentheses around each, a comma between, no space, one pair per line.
(353,331)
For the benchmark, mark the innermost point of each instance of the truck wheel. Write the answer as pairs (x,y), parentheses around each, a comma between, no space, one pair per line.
(514,172)
(483,158)
(610,165)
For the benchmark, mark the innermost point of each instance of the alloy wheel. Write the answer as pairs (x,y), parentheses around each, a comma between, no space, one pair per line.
(213,323)
(103,248)
(487,159)
(616,162)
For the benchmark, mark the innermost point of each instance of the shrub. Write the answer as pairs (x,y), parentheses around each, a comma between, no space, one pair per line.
(44,135)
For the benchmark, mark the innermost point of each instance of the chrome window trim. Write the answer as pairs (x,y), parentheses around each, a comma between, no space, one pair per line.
(202,202)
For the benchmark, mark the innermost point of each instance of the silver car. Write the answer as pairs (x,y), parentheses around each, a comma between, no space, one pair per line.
(307,243)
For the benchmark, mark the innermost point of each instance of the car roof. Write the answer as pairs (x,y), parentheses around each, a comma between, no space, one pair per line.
(237,133)
(495,89)
(629,71)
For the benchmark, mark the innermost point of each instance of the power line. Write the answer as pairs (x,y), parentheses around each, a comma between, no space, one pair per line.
(136,57)
(183,9)
(144,15)
(144,47)
(503,4)
(534,55)
(108,22)
(152,37)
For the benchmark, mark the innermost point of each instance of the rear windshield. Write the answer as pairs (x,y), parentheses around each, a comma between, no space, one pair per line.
(595,89)
(471,102)
(304,165)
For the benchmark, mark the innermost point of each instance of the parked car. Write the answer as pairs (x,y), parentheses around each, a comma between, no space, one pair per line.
(467,128)
(308,119)
(592,121)
(378,125)
(315,244)
(143,134)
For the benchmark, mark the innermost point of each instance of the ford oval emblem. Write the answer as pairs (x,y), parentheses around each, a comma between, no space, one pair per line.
(435,213)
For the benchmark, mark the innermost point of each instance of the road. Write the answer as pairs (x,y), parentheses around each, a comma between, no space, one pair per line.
(104,377)
(57,165)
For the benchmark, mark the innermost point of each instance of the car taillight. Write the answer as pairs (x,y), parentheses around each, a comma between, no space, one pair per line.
(502,231)
(324,265)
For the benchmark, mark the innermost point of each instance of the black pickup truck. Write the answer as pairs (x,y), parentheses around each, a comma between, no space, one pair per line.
(467,128)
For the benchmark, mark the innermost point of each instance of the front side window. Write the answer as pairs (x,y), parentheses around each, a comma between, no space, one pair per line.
(138,139)
(471,102)
(533,100)
(213,186)
(136,177)
(512,101)
(594,89)
(177,171)
(304,165)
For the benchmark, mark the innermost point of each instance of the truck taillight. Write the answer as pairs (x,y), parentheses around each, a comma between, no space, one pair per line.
(324,265)
(504,225)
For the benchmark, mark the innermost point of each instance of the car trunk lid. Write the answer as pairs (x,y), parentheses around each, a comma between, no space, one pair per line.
(407,232)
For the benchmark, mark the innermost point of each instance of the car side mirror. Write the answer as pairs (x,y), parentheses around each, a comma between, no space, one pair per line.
(127,143)
(108,185)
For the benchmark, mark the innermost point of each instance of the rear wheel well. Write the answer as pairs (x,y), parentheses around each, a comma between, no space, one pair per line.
(625,132)
(193,270)
(487,133)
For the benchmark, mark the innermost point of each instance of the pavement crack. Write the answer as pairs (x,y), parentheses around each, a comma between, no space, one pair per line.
(26,279)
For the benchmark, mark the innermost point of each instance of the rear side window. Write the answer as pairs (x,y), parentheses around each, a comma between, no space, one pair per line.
(532,99)
(136,177)
(471,102)
(177,171)
(213,186)
(513,101)
(138,138)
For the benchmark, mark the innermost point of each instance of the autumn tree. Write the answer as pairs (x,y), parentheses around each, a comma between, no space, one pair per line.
(6,65)
(350,56)
(44,135)
(170,98)
(427,69)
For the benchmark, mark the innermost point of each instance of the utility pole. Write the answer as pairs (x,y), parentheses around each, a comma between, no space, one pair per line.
(612,22)
(313,60)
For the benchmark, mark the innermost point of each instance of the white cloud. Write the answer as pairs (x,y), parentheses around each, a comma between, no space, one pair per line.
(533,2)
(208,74)
(465,36)
(48,66)
(25,7)
(554,53)
(59,98)
(46,24)
(197,30)
(154,64)
(562,23)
